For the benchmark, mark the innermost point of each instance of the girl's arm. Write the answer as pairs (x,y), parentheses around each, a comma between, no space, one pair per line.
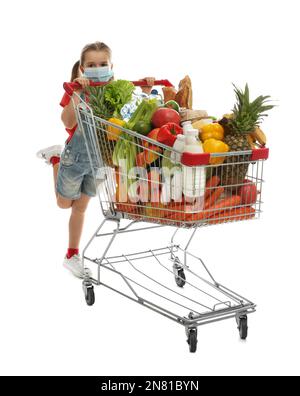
(68,115)
(150,81)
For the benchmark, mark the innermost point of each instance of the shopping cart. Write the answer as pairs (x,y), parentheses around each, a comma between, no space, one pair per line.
(169,280)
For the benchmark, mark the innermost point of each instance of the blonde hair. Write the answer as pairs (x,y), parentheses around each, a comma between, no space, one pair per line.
(97,46)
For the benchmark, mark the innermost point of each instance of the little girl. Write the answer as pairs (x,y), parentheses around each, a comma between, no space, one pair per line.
(73,179)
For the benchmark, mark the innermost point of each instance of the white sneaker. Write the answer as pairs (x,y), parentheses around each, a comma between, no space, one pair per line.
(74,264)
(49,152)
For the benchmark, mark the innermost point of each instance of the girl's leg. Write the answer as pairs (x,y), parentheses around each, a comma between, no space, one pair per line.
(63,203)
(55,173)
(72,260)
(76,220)
(51,155)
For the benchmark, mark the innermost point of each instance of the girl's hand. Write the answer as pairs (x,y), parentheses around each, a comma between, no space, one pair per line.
(84,82)
(148,88)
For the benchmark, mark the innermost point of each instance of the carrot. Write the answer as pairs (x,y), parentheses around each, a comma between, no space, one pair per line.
(174,209)
(219,207)
(226,203)
(214,181)
(213,197)
(179,216)
(233,215)
(126,208)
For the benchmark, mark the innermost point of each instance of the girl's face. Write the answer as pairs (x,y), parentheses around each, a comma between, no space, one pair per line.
(96,59)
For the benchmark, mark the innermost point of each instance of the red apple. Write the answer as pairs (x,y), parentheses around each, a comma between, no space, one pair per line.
(162,116)
(248,193)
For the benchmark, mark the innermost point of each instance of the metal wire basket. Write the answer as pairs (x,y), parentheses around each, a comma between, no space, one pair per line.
(156,191)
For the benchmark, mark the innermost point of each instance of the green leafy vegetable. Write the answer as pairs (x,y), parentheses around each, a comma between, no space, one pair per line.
(108,100)
(117,94)
(125,149)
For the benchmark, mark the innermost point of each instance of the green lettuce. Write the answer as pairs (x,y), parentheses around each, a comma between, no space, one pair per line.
(117,94)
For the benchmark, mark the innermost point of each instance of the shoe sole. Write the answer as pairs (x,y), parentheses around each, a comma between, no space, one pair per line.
(77,274)
(54,149)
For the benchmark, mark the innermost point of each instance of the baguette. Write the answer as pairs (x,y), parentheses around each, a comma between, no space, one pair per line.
(184,96)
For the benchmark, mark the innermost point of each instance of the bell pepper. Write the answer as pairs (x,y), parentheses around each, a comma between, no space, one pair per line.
(212,131)
(168,133)
(152,135)
(150,156)
(113,133)
(215,146)
(141,160)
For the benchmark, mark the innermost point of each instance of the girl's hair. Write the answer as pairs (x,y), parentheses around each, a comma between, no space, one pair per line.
(75,71)
(97,46)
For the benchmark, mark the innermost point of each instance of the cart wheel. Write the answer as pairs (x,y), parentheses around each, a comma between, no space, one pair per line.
(243,327)
(90,296)
(180,279)
(192,340)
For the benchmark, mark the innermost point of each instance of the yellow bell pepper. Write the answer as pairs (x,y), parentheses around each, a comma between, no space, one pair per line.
(215,146)
(113,133)
(212,131)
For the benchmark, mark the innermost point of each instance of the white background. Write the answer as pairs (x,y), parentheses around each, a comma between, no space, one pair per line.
(46,327)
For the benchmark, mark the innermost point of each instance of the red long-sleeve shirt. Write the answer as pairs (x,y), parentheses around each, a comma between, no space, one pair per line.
(64,102)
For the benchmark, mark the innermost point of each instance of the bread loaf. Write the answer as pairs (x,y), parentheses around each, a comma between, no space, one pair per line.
(184,96)
(169,93)
(192,115)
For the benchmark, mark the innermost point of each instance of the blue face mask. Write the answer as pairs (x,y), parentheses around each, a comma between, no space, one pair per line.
(98,74)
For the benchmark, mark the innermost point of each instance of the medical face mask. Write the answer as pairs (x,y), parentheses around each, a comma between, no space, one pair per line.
(98,74)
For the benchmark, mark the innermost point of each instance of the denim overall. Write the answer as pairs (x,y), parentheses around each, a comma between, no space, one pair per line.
(75,173)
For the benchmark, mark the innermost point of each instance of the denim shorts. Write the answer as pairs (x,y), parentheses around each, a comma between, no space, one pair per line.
(75,173)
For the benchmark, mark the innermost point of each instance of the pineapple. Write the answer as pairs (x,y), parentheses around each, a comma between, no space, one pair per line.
(245,119)
(96,100)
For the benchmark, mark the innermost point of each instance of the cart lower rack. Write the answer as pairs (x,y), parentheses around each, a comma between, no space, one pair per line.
(169,280)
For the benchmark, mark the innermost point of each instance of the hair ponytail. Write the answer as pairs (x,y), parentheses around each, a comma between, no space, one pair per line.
(75,71)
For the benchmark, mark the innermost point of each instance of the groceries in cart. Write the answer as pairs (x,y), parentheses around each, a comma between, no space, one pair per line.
(176,165)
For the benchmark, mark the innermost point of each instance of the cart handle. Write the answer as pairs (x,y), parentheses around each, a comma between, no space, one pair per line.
(70,87)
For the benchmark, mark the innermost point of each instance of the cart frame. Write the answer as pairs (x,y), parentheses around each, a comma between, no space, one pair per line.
(231,305)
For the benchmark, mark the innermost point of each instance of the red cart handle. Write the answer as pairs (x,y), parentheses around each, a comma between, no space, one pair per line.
(71,87)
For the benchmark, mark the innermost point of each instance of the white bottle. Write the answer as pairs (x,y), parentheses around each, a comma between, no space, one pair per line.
(172,186)
(194,177)
(155,95)
(178,146)
(187,126)
(176,184)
